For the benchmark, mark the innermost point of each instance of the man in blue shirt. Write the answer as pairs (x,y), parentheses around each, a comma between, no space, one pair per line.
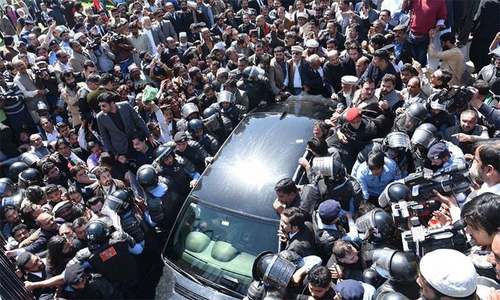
(375,174)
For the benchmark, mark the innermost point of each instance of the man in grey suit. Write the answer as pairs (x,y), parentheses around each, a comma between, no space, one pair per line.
(153,32)
(118,122)
(277,71)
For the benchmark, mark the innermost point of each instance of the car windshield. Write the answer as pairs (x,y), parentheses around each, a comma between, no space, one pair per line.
(219,245)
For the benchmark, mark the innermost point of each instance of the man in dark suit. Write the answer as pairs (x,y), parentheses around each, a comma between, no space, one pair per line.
(314,78)
(34,270)
(118,122)
(296,67)
(295,233)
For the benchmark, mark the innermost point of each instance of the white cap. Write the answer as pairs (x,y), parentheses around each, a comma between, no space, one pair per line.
(349,79)
(78,35)
(220,46)
(450,272)
(182,34)
(133,67)
(310,43)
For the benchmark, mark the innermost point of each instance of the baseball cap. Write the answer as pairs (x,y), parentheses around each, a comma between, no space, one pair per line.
(350,289)
(351,114)
(450,272)
(73,273)
(329,210)
(438,151)
(180,137)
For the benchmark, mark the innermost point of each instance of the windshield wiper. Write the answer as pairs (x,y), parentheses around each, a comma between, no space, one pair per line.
(183,272)
(217,286)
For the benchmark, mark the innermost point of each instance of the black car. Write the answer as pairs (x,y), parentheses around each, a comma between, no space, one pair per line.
(228,219)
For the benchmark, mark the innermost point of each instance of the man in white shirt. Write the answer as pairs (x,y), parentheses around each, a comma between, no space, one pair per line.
(295,67)
(49,130)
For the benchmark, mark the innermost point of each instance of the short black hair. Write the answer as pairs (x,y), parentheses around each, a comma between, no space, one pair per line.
(107,97)
(17,228)
(319,276)
(482,212)
(286,185)
(482,87)
(375,160)
(448,36)
(489,154)
(34,194)
(295,215)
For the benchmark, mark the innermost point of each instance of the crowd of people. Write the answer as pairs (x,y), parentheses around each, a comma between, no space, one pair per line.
(110,111)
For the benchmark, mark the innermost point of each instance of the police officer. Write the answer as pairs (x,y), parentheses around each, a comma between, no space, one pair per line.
(191,150)
(189,111)
(379,226)
(197,133)
(400,270)
(15,169)
(412,117)
(329,224)
(179,173)
(216,124)
(122,204)
(30,176)
(112,255)
(229,110)
(257,86)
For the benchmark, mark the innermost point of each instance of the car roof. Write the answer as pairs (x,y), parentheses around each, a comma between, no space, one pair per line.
(263,149)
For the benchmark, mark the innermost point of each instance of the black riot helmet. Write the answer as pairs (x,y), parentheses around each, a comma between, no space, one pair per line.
(396,265)
(97,233)
(398,191)
(30,177)
(194,125)
(6,187)
(424,136)
(377,220)
(119,201)
(147,176)
(273,270)
(16,168)
(164,151)
(190,111)
(417,112)
(210,111)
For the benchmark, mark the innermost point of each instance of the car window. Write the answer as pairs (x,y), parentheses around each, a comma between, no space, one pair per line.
(219,245)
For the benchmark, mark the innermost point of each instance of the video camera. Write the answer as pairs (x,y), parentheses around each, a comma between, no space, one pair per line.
(412,213)
(455,99)
(449,181)
(422,240)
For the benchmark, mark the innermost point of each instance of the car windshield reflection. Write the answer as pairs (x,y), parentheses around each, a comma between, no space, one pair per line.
(219,245)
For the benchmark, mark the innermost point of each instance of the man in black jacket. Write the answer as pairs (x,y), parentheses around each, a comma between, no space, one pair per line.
(295,233)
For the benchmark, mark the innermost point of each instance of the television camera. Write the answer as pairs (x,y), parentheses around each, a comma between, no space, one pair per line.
(412,207)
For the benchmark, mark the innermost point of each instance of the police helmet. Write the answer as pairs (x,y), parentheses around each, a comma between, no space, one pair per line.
(97,233)
(378,220)
(210,111)
(30,176)
(119,201)
(418,112)
(16,168)
(188,110)
(252,72)
(329,167)
(29,158)
(396,265)
(273,270)
(164,150)
(6,186)
(397,141)
(424,135)
(147,176)
(225,97)
(195,125)
(397,191)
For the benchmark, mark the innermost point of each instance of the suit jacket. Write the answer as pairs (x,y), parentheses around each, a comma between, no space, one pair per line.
(291,71)
(168,29)
(276,76)
(302,242)
(114,139)
(158,35)
(315,82)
